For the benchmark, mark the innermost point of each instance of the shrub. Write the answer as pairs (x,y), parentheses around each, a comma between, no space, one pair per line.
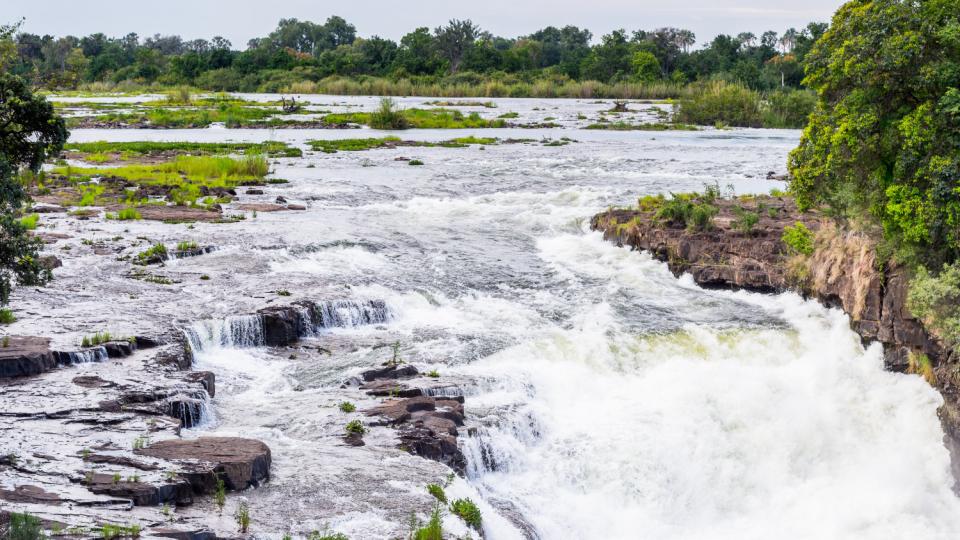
(347,407)
(433,374)
(935,299)
(746,220)
(799,239)
(468,511)
(355,427)
(415,162)
(701,217)
(387,117)
(719,101)
(7,316)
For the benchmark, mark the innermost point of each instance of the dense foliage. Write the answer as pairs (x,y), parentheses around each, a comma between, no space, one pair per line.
(884,140)
(457,53)
(29,132)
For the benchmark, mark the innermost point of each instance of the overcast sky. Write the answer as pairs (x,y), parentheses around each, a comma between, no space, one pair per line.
(240,20)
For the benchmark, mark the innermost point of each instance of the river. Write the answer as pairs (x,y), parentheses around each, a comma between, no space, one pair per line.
(606,398)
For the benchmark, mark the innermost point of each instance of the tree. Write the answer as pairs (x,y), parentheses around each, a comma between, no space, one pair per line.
(455,40)
(29,132)
(418,53)
(884,140)
(645,66)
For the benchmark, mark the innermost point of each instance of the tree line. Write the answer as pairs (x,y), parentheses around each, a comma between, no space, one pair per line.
(459,52)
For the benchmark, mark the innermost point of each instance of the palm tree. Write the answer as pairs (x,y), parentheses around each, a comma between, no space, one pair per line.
(686,39)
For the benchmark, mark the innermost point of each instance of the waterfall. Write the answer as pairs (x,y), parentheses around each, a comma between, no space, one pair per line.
(310,318)
(237,331)
(352,313)
(95,354)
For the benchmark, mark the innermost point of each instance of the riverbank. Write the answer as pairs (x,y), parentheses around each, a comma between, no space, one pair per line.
(841,270)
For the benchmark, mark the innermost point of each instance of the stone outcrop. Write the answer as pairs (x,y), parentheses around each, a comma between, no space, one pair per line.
(426,426)
(842,272)
(24,356)
(241,463)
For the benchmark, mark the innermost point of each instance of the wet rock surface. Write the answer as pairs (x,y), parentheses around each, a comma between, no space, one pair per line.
(240,462)
(426,426)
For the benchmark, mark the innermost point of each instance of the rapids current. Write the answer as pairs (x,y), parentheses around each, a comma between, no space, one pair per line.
(610,400)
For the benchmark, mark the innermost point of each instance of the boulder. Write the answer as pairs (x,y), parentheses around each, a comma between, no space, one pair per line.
(390,372)
(281,325)
(23,356)
(240,462)
(141,493)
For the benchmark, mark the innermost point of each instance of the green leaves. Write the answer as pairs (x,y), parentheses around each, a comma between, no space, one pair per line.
(884,143)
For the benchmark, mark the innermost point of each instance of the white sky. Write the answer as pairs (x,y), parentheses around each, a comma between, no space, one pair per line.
(240,20)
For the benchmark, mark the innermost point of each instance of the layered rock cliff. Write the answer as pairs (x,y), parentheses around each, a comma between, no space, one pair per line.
(843,271)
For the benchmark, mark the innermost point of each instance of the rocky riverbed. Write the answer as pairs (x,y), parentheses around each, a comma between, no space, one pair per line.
(462,318)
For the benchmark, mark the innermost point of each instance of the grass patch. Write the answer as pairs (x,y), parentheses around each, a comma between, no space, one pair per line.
(126,214)
(155,253)
(146,148)
(210,171)
(96,339)
(418,119)
(7,316)
(347,407)
(415,162)
(29,222)
(352,145)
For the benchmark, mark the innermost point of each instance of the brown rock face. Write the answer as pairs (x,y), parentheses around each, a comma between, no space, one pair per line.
(241,463)
(25,356)
(842,272)
(427,427)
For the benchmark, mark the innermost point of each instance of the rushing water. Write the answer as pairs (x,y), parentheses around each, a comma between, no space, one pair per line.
(611,399)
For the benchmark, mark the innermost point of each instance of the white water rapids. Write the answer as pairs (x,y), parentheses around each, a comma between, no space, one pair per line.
(611,400)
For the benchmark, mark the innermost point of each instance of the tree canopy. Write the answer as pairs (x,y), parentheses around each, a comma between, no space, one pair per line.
(884,140)
(29,133)
(299,50)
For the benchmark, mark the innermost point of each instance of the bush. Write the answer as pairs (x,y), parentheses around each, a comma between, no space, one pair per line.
(355,427)
(936,301)
(799,239)
(347,407)
(701,217)
(788,108)
(386,117)
(468,511)
(721,102)
(7,316)
(746,220)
